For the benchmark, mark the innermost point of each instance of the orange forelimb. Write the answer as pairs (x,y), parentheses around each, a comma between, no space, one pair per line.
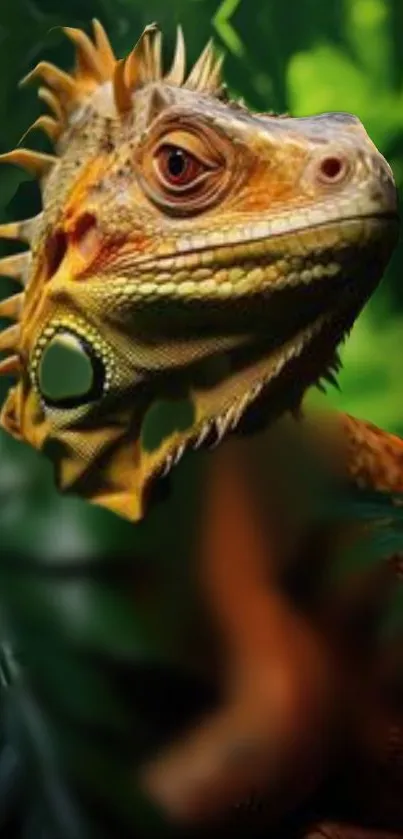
(287,697)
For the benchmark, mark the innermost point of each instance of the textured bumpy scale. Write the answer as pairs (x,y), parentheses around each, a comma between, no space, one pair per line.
(178,232)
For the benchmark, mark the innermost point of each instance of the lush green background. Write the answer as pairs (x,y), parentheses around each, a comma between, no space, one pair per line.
(303,56)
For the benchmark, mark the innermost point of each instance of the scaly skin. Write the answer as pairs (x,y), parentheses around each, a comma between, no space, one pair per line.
(210,287)
(192,255)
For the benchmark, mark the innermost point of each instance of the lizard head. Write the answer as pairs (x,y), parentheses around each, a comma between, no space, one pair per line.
(192,261)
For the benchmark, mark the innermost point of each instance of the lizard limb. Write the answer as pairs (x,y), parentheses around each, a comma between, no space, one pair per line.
(267,735)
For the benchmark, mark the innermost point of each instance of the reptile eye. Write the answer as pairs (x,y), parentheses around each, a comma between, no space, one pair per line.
(177,167)
(184,167)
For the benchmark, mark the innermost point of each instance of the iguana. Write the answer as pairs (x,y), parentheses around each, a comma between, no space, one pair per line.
(201,263)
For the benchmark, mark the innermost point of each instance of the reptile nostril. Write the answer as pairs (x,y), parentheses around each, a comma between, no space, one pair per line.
(332,169)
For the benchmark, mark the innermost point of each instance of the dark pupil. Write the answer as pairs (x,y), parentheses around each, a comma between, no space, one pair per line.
(177,163)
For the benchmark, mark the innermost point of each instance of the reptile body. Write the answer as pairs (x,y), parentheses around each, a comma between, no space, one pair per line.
(198,265)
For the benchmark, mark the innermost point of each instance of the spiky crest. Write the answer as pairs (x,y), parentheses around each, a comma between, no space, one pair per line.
(97,64)
(9,338)
(11,307)
(10,366)
(177,72)
(144,66)
(63,93)
(15,266)
(19,230)
(34,162)
(49,126)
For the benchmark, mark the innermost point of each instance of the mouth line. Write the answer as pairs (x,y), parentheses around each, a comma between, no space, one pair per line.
(188,250)
(386,217)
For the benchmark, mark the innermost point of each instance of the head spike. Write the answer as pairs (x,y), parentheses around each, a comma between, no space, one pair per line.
(206,75)
(176,75)
(148,63)
(139,66)
(89,63)
(34,162)
(10,366)
(47,124)
(131,75)
(9,338)
(16,266)
(157,50)
(150,43)
(52,102)
(64,85)
(121,91)
(104,48)
(202,68)
(20,230)
(215,83)
(11,307)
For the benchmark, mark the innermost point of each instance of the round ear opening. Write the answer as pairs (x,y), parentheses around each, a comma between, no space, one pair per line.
(70,374)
